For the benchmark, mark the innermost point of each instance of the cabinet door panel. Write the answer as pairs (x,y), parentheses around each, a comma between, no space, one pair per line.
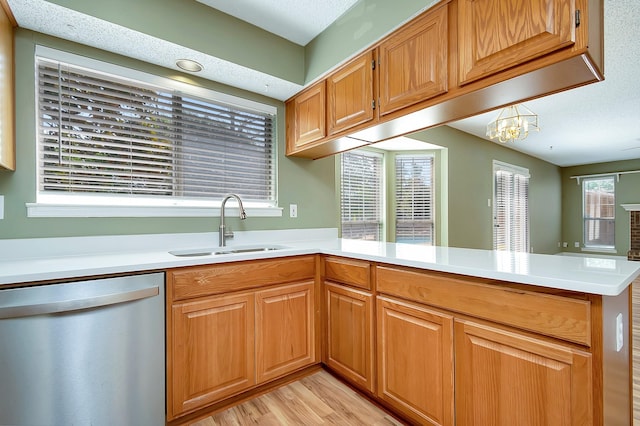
(415,361)
(350,94)
(349,346)
(413,62)
(503,378)
(7,108)
(310,115)
(213,350)
(494,35)
(284,330)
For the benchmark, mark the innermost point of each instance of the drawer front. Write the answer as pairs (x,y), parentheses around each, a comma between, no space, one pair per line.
(206,280)
(348,271)
(561,317)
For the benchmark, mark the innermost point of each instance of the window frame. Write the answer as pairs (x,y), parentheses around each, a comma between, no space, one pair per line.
(598,247)
(381,194)
(499,166)
(66,205)
(432,195)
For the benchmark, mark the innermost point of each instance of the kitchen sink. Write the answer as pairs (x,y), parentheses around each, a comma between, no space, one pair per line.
(223,250)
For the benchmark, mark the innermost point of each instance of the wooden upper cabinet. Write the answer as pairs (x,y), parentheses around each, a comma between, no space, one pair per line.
(350,94)
(494,35)
(505,378)
(306,114)
(413,62)
(7,126)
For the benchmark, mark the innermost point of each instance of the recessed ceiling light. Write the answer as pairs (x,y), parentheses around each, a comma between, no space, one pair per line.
(189,65)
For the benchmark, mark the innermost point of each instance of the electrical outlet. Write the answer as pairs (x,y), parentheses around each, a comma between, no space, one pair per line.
(619,333)
(576,244)
(293,210)
(565,244)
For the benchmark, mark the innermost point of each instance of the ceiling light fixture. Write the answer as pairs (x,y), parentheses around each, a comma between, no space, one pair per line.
(513,124)
(189,65)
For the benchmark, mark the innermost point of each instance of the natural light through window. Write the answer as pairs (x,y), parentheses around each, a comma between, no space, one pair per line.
(107,139)
(598,197)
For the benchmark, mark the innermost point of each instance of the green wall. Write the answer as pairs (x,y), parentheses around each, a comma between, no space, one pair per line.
(204,29)
(627,192)
(470,185)
(310,184)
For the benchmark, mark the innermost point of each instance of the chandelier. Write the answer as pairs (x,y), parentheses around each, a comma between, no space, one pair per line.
(513,124)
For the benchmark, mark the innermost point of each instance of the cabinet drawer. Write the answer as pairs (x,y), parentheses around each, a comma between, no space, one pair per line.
(348,271)
(227,277)
(556,316)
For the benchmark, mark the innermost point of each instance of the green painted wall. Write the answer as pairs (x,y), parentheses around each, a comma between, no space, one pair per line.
(204,29)
(627,192)
(361,26)
(310,184)
(470,185)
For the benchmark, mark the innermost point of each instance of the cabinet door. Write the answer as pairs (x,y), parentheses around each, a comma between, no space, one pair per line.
(350,94)
(7,107)
(413,62)
(415,361)
(309,116)
(349,332)
(285,338)
(212,351)
(494,35)
(503,378)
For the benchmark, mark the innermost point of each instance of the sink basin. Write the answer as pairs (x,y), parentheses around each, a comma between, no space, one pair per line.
(223,250)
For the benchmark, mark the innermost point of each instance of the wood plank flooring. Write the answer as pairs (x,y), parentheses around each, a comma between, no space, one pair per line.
(318,399)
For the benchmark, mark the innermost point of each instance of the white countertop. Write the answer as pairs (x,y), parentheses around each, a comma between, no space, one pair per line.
(32,260)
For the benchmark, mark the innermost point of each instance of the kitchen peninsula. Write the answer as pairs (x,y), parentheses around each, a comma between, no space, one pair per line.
(538,332)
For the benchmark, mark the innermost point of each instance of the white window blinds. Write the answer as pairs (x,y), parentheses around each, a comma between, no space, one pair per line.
(511,208)
(101,134)
(361,195)
(414,199)
(598,196)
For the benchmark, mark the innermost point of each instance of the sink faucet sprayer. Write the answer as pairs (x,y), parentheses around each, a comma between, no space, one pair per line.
(223,235)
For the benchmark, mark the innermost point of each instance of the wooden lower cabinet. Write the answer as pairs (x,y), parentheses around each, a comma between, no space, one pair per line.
(212,343)
(285,338)
(234,326)
(350,334)
(505,378)
(415,361)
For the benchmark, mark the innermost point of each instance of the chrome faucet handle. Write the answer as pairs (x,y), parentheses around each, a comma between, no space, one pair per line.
(228,233)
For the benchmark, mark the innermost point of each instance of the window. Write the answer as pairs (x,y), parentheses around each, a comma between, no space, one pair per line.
(598,196)
(108,139)
(361,195)
(414,199)
(510,208)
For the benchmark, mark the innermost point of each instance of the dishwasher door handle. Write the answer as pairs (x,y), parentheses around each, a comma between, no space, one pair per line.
(73,304)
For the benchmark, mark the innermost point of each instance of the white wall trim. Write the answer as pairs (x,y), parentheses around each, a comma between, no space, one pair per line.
(631,207)
(78,210)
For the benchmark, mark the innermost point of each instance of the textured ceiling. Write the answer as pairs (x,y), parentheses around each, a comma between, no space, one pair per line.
(595,123)
(297,21)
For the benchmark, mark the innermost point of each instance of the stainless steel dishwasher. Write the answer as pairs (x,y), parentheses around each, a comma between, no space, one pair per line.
(83,353)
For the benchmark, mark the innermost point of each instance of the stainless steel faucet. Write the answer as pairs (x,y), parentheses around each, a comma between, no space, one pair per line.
(223,234)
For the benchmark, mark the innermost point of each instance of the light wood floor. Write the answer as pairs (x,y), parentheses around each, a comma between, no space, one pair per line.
(318,399)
